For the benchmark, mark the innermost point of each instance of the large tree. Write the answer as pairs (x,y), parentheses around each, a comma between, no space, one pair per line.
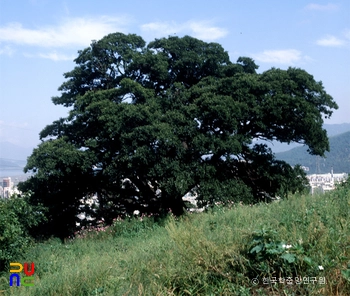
(149,123)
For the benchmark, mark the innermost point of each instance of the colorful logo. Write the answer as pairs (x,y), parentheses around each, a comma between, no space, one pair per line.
(28,280)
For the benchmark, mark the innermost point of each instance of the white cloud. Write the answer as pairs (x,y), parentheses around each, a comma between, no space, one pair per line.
(162,28)
(333,41)
(54,56)
(287,56)
(57,56)
(70,32)
(7,50)
(202,30)
(330,41)
(320,7)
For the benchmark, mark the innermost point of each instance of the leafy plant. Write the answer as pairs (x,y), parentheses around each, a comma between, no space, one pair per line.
(346,274)
(17,217)
(270,257)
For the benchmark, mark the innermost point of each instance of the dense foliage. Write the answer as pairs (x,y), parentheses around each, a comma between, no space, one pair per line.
(17,218)
(149,123)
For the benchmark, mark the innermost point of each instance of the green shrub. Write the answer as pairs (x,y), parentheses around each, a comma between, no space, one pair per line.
(17,216)
(271,257)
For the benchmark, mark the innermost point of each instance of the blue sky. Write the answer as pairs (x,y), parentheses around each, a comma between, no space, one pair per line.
(40,38)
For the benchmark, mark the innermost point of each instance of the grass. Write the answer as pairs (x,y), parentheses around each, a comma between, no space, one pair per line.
(222,252)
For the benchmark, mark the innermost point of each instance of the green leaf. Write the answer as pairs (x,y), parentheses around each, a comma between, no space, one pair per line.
(289,257)
(308,261)
(256,249)
(346,274)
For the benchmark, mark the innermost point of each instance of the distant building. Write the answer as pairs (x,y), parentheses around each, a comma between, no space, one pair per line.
(6,182)
(7,189)
(322,183)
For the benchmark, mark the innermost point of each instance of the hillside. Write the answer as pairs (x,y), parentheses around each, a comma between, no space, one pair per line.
(338,157)
(225,251)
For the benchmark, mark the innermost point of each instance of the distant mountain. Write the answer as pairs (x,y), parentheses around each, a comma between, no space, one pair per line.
(11,163)
(332,130)
(13,159)
(338,158)
(10,167)
(336,129)
(14,152)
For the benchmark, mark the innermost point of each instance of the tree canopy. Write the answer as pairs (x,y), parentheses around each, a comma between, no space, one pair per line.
(149,123)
